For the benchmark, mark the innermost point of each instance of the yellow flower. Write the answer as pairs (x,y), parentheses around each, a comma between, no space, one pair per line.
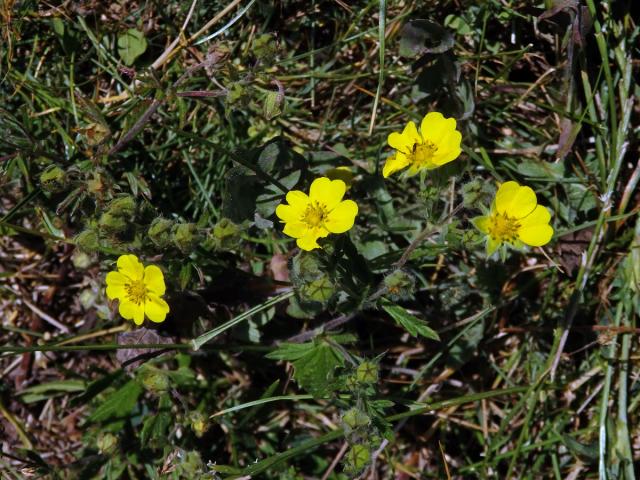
(139,290)
(313,216)
(515,218)
(437,143)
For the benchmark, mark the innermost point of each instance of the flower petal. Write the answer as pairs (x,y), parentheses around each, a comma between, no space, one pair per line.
(156,308)
(116,282)
(290,213)
(536,235)
(296,229)
(132,311)
(449,148)
(434,128)
(514,200)
(441,158)
(396,162)
(404,142)
(308,242)
(341,218)
(154,280)
(130,266)
(298,199)
(539,216)
(327,192)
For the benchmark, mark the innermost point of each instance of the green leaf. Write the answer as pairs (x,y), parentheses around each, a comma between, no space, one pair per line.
(411,324)
(155,426)
(585,452)
(118,404)
(314,363)
(50,389)
(424,36)
(131,44)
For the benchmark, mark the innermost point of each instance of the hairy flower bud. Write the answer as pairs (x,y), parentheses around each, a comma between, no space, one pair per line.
(400,285)
(87,240)
(184,236)
(224,235)
(199,423)
(160,232)
(123,206)
(107,443)
(357,458)
(355,418)
(312,284)
(367,372)
(53,179)
(110,223)
(154,380)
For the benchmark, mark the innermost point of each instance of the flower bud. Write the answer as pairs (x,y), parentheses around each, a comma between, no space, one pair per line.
(53,179)
(154,380)
(123,206)
(160,232)
(81,260)
(367,372)
(95,185)
(224,235)
(354,418)
(357,458)
(110,223)
(400,285)
(184,236)
(107,443)
(320,290)
(199,423)
(87,240)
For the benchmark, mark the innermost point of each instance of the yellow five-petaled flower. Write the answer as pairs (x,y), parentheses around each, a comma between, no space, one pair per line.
(437,143)
(139,290)
(310,217)
(515,218)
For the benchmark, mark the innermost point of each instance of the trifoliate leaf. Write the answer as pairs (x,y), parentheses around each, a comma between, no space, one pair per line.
(411,324)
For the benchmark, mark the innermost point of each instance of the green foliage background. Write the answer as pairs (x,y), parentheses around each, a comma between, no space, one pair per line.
(397,351)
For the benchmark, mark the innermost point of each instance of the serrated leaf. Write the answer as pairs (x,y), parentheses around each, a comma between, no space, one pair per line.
(314,364)
(290,351)
(155,426)
(131,44)
(410,323)
(118,404)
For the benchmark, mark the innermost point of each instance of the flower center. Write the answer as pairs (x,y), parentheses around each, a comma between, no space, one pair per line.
(423,152)
(136,291)
(503,227)
(315,215)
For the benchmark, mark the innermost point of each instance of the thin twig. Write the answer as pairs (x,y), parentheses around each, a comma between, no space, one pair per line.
(169,50)
(337,458)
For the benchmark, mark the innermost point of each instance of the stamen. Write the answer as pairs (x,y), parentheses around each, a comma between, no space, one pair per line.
(315,215)
(423,153)
(136,291)
(503,228)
